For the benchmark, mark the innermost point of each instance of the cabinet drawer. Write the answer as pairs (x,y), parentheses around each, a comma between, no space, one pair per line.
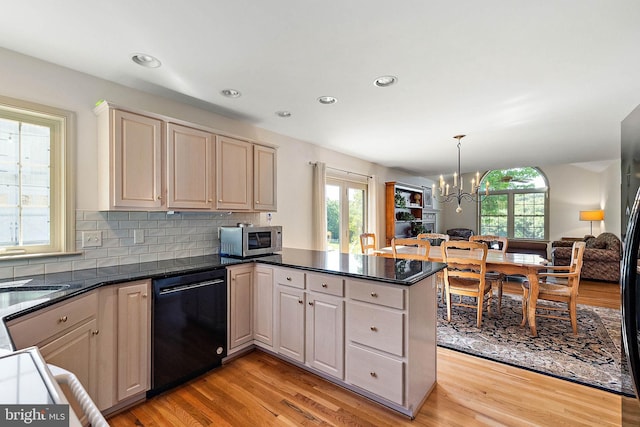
(376,327)
(49,322)
(376,373)
(376,294)
(331,285)
(288,277)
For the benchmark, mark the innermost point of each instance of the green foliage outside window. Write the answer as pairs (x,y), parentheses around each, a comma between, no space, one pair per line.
(516,204)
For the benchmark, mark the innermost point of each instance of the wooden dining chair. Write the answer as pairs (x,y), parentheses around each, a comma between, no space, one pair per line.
(367,241)
(558,284)
(497,244)
(422,253)
(436,239)
(465,275)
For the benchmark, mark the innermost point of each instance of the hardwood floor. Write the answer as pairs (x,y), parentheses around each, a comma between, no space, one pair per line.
(262,390)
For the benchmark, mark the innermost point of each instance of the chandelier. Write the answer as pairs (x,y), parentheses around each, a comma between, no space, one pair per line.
(447,193)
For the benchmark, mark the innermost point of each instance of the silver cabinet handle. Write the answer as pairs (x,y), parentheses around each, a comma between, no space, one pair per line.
(373,374)
(310,302)
(374,295)
(96,332)
(300,301)
(62,319)
(324,285)
(289,279)
(374,329)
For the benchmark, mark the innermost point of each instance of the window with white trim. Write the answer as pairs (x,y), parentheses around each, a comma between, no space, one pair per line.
(516,205)
(37,214)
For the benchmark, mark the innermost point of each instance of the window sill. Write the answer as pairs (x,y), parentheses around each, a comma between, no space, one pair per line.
(6,256)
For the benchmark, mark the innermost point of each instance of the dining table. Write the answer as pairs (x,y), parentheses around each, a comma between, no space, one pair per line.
(513,264)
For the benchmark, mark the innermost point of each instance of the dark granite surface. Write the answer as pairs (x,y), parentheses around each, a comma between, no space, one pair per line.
(22,295)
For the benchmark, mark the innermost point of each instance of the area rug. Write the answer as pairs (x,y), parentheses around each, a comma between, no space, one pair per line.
(591,358)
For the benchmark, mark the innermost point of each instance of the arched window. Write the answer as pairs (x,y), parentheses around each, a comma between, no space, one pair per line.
(516,205)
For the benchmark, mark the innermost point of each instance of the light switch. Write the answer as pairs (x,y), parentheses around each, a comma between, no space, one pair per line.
(91,239)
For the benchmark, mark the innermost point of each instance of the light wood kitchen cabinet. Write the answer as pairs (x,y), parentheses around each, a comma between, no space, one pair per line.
(234,174)
(390,340)
(134,338)
(66,334)
(325,333)
(240,316)
(289,333)
(130,160)
(263,305)
(264,178)
(290,322)
(190,168)
(141,167)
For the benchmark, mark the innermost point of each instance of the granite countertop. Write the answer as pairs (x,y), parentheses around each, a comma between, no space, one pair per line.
(23,295)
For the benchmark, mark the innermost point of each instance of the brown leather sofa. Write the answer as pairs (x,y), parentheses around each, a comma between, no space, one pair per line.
(601,259)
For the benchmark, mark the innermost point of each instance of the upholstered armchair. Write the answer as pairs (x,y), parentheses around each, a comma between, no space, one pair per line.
(459,233)
(601,260)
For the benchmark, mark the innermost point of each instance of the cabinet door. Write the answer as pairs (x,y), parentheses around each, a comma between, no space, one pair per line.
(263,305)
(290,322)
(325,333)
(264,178)
(189,168)
(76,351)
(240,305)
(137,161)
(234,174)
(134,339)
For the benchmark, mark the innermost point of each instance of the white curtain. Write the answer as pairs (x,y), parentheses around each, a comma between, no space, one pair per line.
(372,206)
(319,214)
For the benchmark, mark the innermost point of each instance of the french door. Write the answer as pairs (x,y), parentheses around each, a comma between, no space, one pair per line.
(346,204)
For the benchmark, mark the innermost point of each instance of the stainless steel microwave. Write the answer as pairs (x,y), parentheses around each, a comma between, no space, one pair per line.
(250,241)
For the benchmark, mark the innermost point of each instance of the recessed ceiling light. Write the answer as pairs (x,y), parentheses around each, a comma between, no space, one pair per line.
(231,93)
(384,81)
(284,114)
(145,60)
(327,100)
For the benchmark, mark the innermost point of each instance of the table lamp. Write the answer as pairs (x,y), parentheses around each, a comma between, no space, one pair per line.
(595,215)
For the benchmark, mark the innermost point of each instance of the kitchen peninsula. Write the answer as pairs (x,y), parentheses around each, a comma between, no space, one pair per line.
(367,323)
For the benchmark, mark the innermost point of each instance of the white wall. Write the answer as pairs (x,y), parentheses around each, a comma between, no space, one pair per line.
(573,188)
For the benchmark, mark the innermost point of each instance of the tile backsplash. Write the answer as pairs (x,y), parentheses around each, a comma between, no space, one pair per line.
(160,236)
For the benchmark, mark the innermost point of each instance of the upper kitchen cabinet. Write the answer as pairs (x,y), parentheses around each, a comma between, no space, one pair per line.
(234,174)
(190,168)
(151,162)
(264,178)
(246,176)
(129,160)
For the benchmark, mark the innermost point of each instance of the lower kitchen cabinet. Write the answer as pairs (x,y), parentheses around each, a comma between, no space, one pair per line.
(290,325)
(124,343)
(67,336)
(325,333)
(134,339)
(263,306)
(77,351)
(240,294)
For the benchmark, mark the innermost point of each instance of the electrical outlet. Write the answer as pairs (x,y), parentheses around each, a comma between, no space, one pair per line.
(91,239)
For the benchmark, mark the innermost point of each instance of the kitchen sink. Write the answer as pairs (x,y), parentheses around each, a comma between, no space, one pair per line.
(11,295)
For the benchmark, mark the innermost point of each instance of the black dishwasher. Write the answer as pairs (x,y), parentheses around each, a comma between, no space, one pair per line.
(189,327)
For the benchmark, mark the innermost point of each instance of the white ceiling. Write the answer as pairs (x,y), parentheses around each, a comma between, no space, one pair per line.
(529,82)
